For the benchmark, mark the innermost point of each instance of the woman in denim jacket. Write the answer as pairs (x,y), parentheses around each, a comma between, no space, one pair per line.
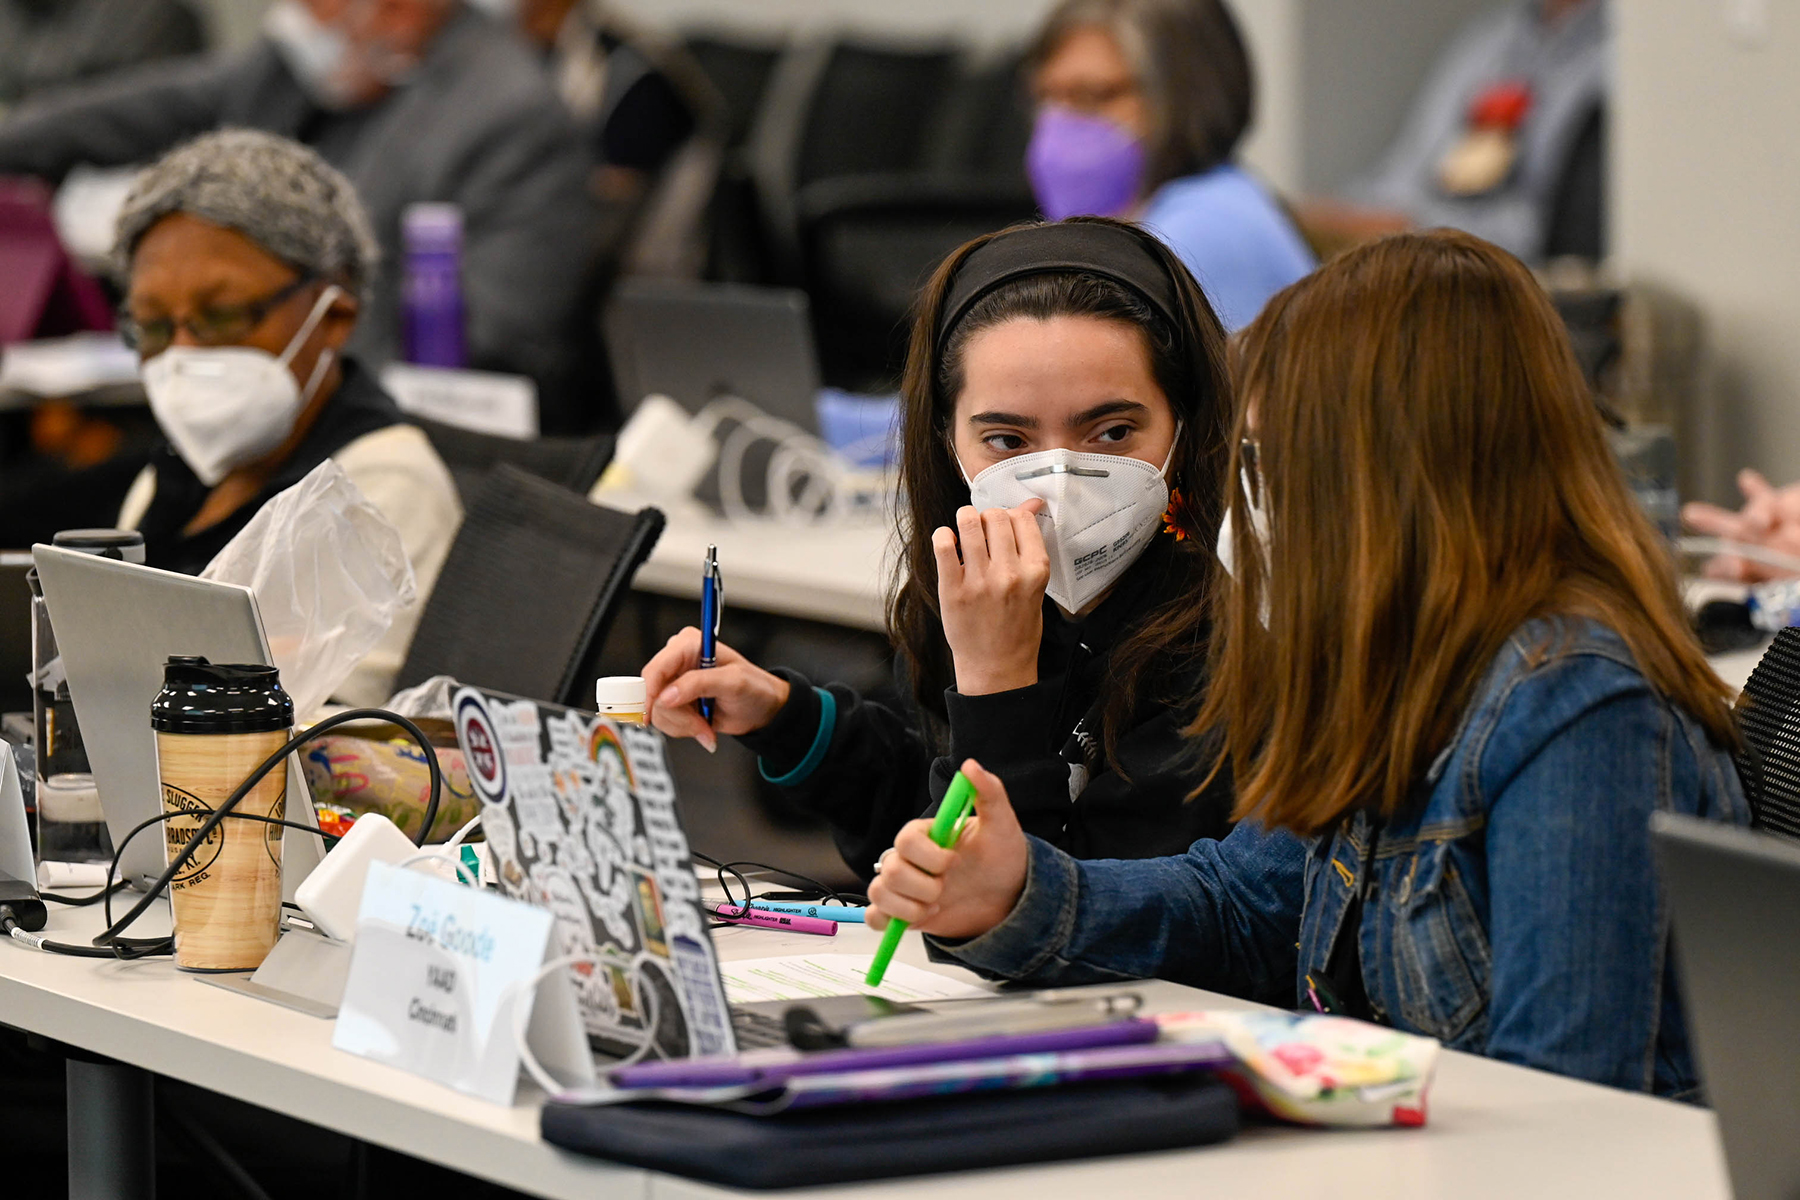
(1452,680)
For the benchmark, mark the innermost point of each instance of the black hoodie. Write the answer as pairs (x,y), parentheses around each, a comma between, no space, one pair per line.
(884,767)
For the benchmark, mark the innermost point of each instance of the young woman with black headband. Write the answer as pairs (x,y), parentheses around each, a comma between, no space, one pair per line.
(1065,408)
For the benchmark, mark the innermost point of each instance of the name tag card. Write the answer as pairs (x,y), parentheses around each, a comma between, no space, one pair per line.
(429,978)
(484,401)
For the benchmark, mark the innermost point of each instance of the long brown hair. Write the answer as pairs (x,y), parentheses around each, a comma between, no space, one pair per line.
(1188,362)
(1434,474)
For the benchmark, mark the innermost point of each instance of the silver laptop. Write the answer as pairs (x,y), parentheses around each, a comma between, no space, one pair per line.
(694,342)
(116,624)
(1735,897)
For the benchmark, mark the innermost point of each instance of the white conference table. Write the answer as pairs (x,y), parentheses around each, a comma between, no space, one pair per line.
(839,574)
(835,573)
(1494,1130)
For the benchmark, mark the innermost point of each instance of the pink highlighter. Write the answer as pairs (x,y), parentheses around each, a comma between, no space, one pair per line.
(756,917)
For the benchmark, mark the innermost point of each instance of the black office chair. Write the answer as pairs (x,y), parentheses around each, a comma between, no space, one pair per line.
(984,124)
(575,463)
(1768,713)
(836,108)
(739,70)
(530,587)
(870,242)
(1576,224)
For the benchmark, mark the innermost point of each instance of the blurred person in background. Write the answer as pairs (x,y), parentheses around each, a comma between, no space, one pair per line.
(639,107)
(1769,519)
(653,120)
(245,259)
(48,43)
(1506,139)
(413,100)
(1140,108)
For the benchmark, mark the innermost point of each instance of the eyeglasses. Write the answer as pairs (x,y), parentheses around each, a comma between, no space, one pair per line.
(1250,470)
(217,325)
(1087,98)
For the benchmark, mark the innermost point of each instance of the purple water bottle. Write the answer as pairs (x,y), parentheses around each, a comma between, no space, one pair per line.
(433,289)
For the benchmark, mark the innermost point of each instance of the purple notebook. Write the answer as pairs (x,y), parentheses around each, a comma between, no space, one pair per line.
(770,1068)
(847,1084)
(989,1074)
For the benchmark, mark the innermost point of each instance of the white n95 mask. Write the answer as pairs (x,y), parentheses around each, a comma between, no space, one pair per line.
(224,406)
(1100,511)
(1259,535)
(1259,529)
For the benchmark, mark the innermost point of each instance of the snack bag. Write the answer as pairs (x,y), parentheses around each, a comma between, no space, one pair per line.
(353,774)
(1315,1069)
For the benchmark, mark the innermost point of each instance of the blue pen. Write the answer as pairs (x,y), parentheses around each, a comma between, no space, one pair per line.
(712,604)
(825,912)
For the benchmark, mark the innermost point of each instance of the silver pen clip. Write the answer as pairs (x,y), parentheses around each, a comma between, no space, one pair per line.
(718,589)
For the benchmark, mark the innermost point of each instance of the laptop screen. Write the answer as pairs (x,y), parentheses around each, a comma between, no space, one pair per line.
(579,815)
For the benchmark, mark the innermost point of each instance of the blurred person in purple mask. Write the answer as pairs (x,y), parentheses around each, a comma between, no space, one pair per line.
(1140,108)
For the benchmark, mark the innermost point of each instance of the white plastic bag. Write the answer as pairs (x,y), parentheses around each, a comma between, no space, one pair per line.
(329,574)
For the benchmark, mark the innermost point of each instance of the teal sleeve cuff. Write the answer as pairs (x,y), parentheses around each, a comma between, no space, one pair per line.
(815,753)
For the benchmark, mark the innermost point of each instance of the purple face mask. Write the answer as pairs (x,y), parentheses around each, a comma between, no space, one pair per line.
(1082,166)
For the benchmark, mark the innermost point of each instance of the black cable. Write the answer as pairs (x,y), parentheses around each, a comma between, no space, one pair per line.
(111,934)
(123,947)
(743,907)
(9,925)
(823,891)
(83,901)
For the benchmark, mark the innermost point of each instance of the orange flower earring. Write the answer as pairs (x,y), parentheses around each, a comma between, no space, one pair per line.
(1176,517)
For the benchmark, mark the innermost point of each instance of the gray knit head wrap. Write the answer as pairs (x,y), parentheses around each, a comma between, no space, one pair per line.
(278,193)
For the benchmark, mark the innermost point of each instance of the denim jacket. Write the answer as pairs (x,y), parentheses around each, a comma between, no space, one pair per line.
(1513,909)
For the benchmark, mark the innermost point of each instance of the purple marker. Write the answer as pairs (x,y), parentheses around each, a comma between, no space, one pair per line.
(771,1067)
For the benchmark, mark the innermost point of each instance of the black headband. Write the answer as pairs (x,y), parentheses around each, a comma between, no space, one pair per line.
(1090,248)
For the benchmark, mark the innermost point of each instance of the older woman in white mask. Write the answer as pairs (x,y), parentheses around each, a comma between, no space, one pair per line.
(245,257)
(1065,405)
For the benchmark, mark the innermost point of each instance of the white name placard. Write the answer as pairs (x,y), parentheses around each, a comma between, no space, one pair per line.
(429,980)
(484,401)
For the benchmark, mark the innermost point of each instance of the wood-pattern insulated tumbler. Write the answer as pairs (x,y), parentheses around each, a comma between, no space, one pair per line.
(215,722)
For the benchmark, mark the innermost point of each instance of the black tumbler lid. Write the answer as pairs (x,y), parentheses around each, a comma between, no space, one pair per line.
(127,545)
(204,697)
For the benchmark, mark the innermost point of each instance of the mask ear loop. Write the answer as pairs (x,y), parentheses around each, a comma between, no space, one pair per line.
(1174,445)
(326,356)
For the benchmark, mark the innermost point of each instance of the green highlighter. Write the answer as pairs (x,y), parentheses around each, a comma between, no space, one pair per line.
(952,814)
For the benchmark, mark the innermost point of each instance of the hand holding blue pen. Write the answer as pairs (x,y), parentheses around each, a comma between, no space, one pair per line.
(712,605)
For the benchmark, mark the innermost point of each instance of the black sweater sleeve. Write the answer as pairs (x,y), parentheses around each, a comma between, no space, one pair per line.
(880,771)
(1010,734)
(872,779)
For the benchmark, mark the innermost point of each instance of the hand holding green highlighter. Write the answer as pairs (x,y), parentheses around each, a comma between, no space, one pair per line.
(952,815)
